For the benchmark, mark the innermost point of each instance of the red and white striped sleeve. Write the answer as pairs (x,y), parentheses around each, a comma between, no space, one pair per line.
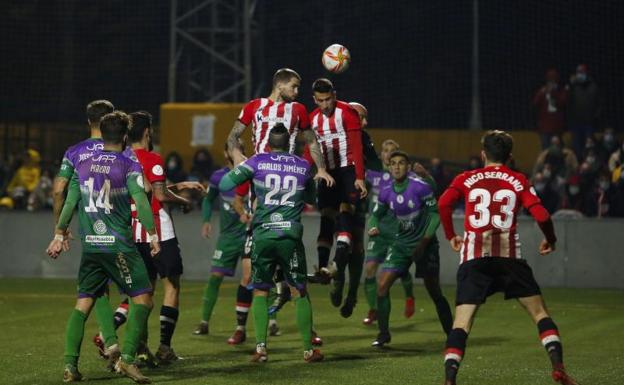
(446,203)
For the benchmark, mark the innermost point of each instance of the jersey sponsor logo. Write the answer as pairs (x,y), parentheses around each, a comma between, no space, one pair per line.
(100,227)
(283,158)
(84,156)
(158,170)
(100,239)
(105,158)
(95,147)
(276,225)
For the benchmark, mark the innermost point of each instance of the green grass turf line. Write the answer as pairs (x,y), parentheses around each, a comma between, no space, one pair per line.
(503,348)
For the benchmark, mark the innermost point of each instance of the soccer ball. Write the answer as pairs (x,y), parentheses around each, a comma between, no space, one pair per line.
(336,58)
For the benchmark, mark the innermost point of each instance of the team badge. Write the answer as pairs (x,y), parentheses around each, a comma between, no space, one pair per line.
(386,176)
(400,199)
(158,170)
(99,227)
(276,217)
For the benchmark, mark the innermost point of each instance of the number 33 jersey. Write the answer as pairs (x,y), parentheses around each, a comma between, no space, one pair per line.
(493,199)
(279,182)
(107,180)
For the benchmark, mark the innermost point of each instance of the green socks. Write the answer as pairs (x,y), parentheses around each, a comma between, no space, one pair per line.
(211,294)
(73,336)
(408,285)
(383,313)
(260,310)
(105,320)
(135,330)
(370,288)
(304,320)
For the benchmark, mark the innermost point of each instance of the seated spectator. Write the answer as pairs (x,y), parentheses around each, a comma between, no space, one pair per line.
(616,158)
(41,196)
(595,146)
(25,179)
(202,166)
(588,183)
(174,165)
(562,159)
(549,195)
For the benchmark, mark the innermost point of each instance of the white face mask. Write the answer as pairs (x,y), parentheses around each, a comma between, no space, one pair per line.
(604,185)
(547,173)
(574,190)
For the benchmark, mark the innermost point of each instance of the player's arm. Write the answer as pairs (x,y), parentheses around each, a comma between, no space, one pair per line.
(234,147)
(65,215)
(432,223)
(143,208)
(371,159)
(187,185)
(60,184)
(379,211)
(445,207)
(165,195)
(317,156)
(532,203)
(235,177)
(206,209)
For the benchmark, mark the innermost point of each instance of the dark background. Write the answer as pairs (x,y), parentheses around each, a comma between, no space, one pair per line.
(411,59)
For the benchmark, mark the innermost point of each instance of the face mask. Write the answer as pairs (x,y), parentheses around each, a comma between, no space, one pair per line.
(590,160)
(172,164)
(574,190)
(604,185)
(581,77)
(608,138)
(547,173)
(540,186)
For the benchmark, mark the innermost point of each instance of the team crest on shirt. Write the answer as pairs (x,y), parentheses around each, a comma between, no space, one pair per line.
(400,199)
(386,176)
(157,170)
(99,227)
(276,217)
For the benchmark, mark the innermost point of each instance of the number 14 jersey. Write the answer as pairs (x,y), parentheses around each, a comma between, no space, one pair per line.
(493,199)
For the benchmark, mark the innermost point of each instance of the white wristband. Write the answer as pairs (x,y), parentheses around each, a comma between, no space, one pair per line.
(59,237)
(153,238)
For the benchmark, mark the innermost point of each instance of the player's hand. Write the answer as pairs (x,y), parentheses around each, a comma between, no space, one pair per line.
(361,185)
(206,230)
(373,231)
(324,175)
(546,248)
(55,247)
(456,243)
(420,170)
(67,237)
(155,247)
(245,218)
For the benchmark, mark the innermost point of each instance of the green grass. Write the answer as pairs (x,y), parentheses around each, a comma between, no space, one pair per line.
(503,348)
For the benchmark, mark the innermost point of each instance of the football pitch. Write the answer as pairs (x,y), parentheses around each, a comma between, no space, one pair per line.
(502,349)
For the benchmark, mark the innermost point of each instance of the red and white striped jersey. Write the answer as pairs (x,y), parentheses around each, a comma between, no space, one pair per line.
(493,198)
(264,113)
(153,168)
(340,137)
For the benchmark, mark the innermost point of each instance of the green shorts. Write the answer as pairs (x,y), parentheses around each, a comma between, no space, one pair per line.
(399,260)
(226,255)
(288,253)
(127,270)
(377,248)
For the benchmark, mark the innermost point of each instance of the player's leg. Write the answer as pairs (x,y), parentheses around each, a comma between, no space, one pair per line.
(408,288)
(107,337)
(262,271)
(244,297)
(169,314)
(376,252)
(386,279)
(121,313)
(209,300)
(456,340)
(325,239)
(428,268)
(356,265)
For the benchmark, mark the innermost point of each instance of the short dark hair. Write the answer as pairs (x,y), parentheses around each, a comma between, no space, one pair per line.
(114,126)
(401,154)
(141,121)
(283,75)
(497,145)
(97,109)
(279,137)
(322,86)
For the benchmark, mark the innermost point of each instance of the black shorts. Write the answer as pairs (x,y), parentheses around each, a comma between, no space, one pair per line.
(168,263)
(428,265)
(343,191)
(479,278)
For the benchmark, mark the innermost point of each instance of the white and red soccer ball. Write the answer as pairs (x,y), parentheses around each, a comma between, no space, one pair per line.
(336,58)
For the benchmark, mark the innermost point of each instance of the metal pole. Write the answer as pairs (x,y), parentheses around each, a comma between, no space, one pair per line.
(171,95)
(475,112)
(247,47)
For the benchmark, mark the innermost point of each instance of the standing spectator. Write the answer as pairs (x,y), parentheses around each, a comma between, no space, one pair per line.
(583,108)
(25,179)
(609,141)
(549,102)
(562,160)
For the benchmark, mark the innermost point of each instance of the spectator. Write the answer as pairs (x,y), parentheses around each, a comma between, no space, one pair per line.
(202,166)
(616,158)
(616,204)
(175,172)
(547,192)
(26,178)
(609,141)
(588,199)
(549,102)
(474,163)
(592,145)
(41,196)
(572,196)
(440,175)
(562,160)
(583,108)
